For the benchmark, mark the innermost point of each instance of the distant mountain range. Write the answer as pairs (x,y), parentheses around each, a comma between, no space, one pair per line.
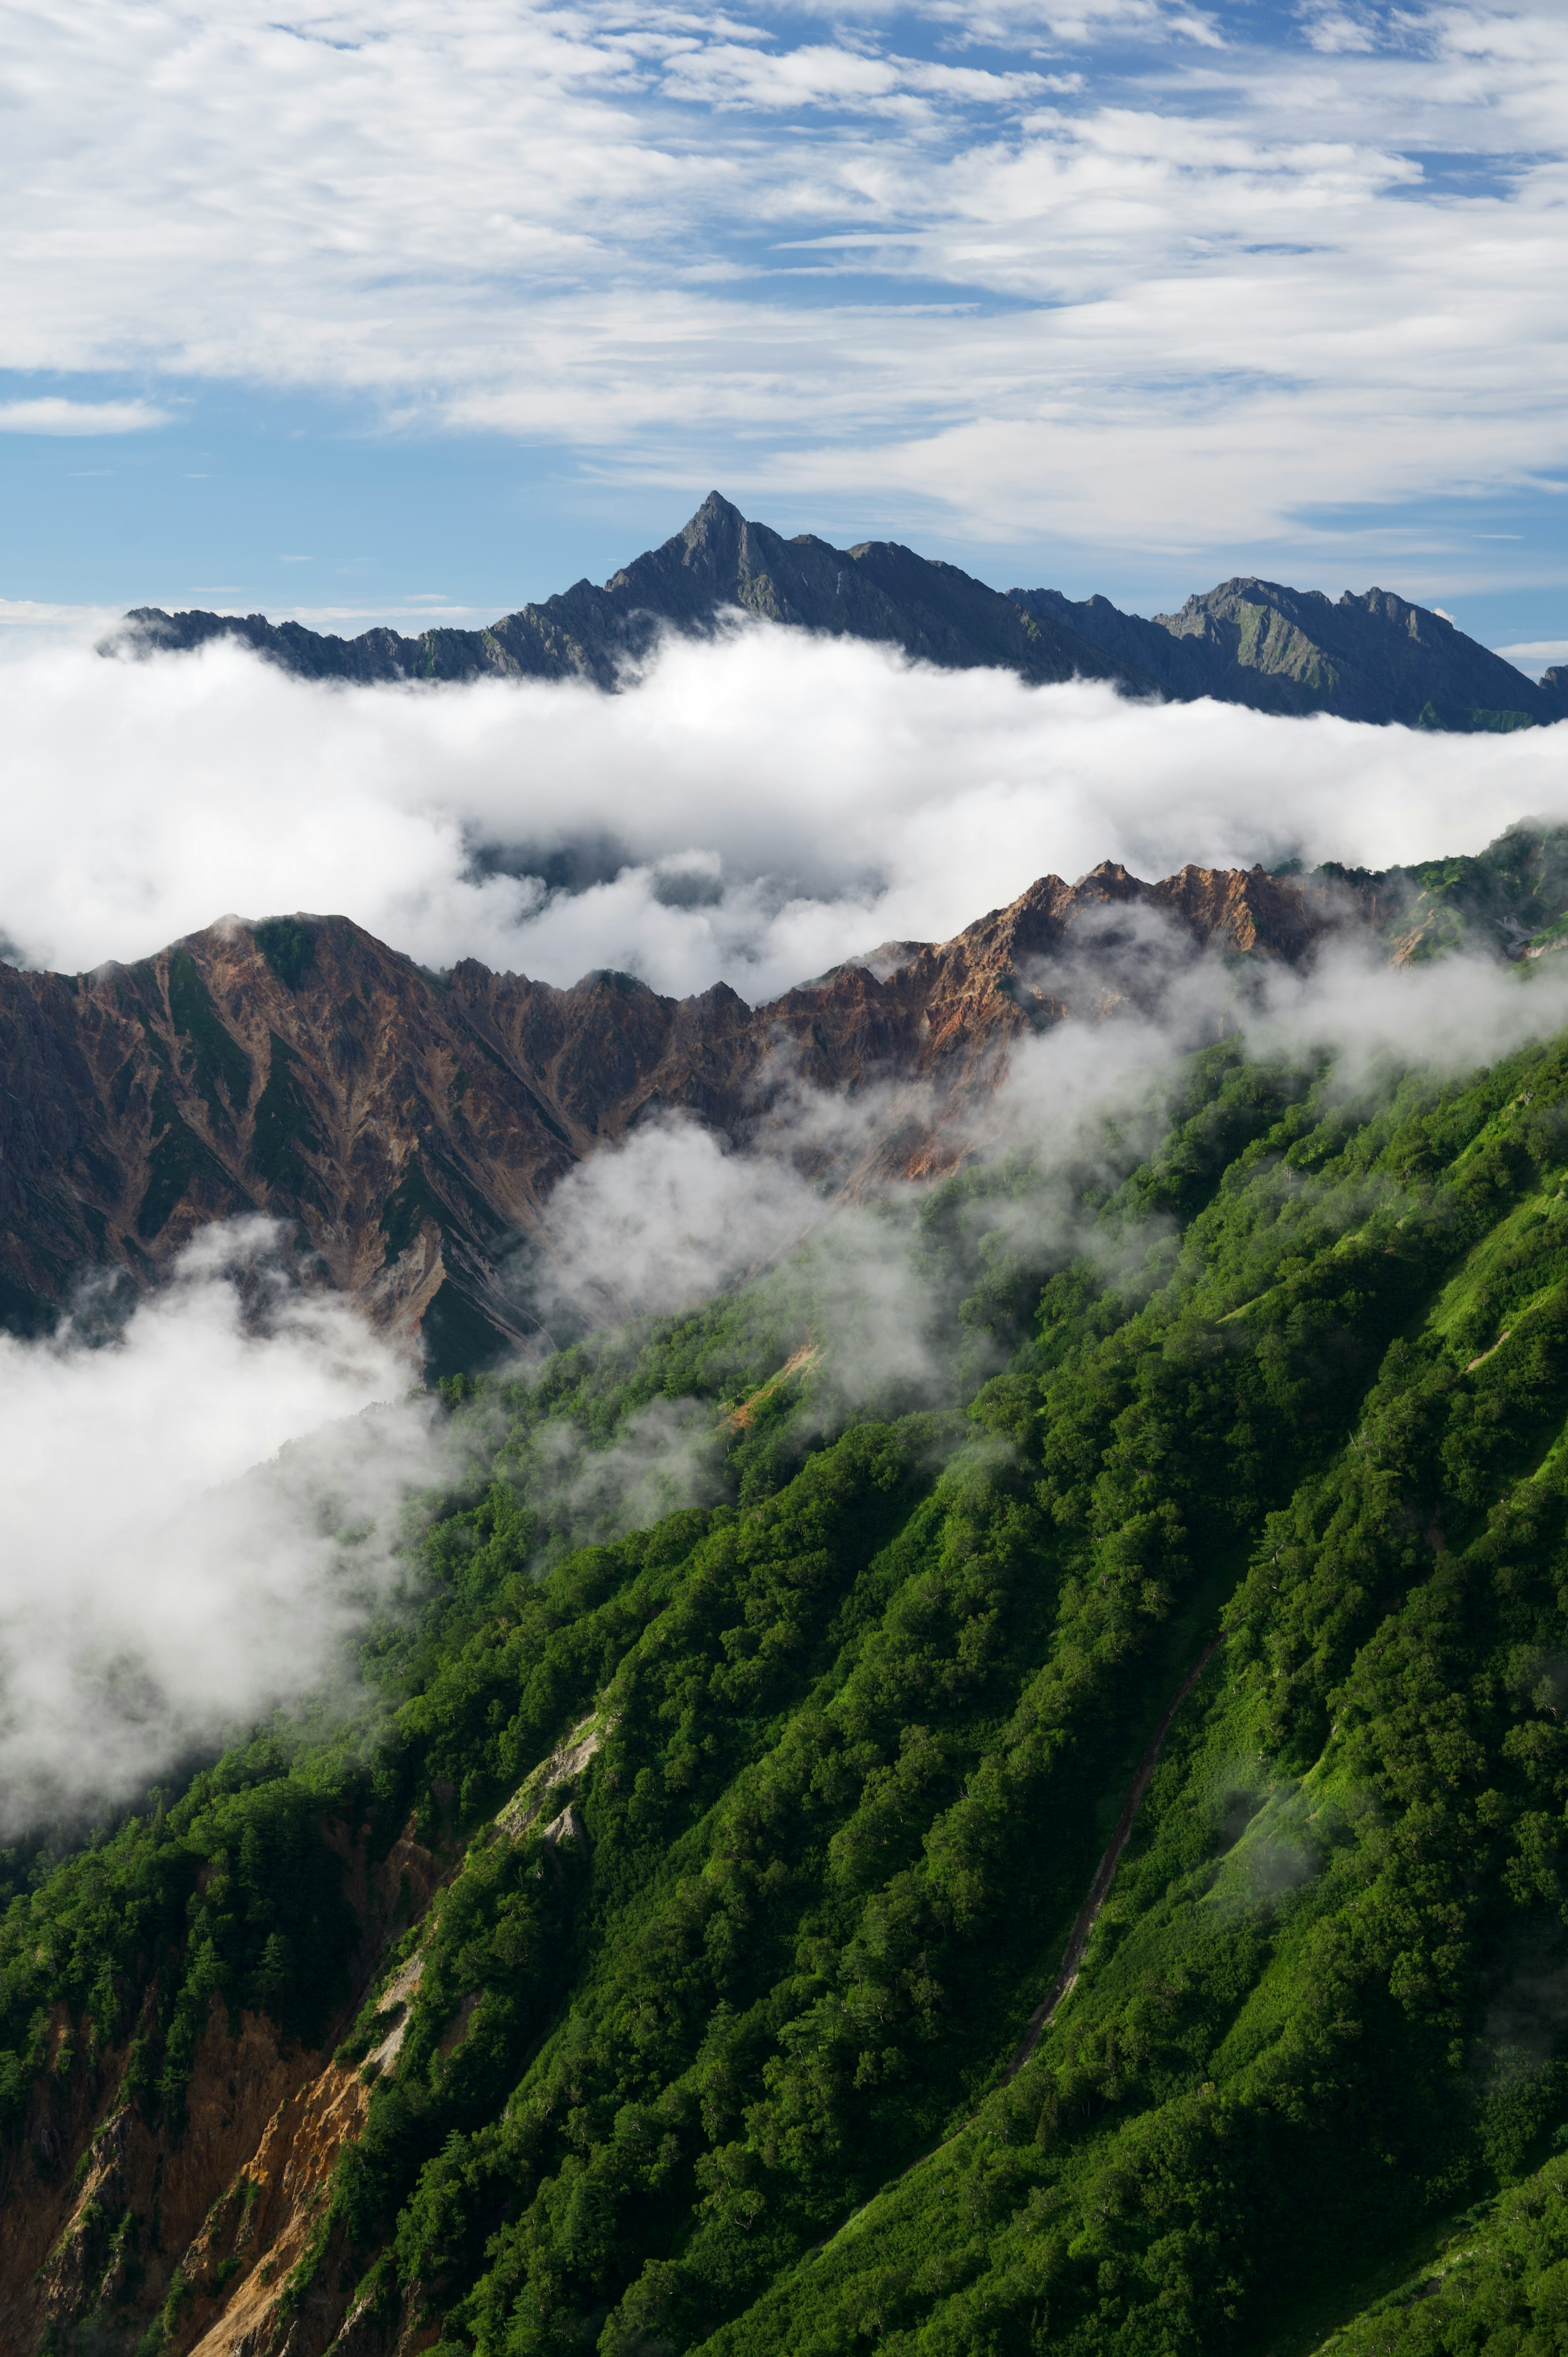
(410,1127)
(1371,658)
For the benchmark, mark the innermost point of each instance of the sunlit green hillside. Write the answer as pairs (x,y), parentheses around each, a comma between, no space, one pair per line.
(712,2030)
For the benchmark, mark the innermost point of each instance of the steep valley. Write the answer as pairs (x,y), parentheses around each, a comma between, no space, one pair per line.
(767,1926)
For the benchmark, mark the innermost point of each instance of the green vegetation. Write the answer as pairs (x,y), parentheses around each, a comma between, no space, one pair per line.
(1474,721)
(178,1157)
(722,2060)
(1500,2283)
(222,1069)
(288,945)
(284,1123)
(414,1200)
(1512,894)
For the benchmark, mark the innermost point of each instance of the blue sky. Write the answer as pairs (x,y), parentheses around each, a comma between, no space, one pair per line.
(385,312)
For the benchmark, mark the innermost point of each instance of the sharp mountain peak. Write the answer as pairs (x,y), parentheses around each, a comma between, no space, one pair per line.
(1370,656)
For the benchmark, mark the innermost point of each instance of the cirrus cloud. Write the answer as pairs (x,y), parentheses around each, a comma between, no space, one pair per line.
(53,415)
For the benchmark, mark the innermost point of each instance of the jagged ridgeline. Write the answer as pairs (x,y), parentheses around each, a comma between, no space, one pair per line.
(1372,657)
(668,1960)
(408,1128)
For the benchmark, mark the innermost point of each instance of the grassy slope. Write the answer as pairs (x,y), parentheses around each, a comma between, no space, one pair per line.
(871,1722)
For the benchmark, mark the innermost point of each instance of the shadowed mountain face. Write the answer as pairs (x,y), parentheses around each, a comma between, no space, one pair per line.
(878,591)
(1372,657)
(1368,658)
(411,1127)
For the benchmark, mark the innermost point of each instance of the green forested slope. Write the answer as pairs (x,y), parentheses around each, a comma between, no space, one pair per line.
(1300,1378)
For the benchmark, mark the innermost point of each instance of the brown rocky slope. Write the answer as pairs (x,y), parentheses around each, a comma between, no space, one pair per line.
(408,1126)
(179,2232)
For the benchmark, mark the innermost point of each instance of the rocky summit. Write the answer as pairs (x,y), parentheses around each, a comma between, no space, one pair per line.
(1373,657)
(719,562)
(409,1128)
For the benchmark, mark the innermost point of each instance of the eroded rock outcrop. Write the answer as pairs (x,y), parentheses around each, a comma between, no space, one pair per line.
(208,2221)
(408,1127)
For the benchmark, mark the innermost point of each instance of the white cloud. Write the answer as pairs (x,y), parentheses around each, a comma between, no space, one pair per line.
(58,416)
(776,802)
(673,1215)
(25,621)
(1537,655)
(781,802)
(1331,28)
(197,1518)
(54,415)
(1180,321)
(729,74)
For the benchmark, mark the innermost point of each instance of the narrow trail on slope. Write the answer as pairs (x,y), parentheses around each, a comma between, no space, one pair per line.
(1099,1892)
(1105,1874)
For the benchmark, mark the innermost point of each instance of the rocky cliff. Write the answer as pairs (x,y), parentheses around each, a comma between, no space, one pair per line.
(410,1126)
(197,2214)
(1373,657)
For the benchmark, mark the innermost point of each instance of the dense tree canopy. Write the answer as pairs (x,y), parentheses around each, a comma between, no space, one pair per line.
(733,2061)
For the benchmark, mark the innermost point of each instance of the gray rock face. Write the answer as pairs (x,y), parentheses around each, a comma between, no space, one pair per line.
(878,591)
(1373,657)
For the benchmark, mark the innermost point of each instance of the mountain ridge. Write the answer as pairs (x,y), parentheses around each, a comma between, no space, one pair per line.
(414,1126)
(1375,657)
(718,560)
(641,1968)
(411,1127)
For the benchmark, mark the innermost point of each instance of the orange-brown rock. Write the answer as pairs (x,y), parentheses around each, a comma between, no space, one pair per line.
(226,2198)
(408,1126)
(115,2216)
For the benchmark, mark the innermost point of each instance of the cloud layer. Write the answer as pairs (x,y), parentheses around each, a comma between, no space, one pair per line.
(754,811)
(1162,277)
(197,1517)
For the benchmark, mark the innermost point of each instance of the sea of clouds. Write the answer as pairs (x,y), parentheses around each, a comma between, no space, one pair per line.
(752,811)
(201,1504)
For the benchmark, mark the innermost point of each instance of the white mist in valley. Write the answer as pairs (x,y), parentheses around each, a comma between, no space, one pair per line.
(198,1515)
(202,1513)
(752,809)
(674,1214)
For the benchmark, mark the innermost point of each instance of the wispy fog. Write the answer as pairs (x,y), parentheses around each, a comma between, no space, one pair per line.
(755,810)
(196,1516)
(674,1215)
(198,1513)
(202,1513)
